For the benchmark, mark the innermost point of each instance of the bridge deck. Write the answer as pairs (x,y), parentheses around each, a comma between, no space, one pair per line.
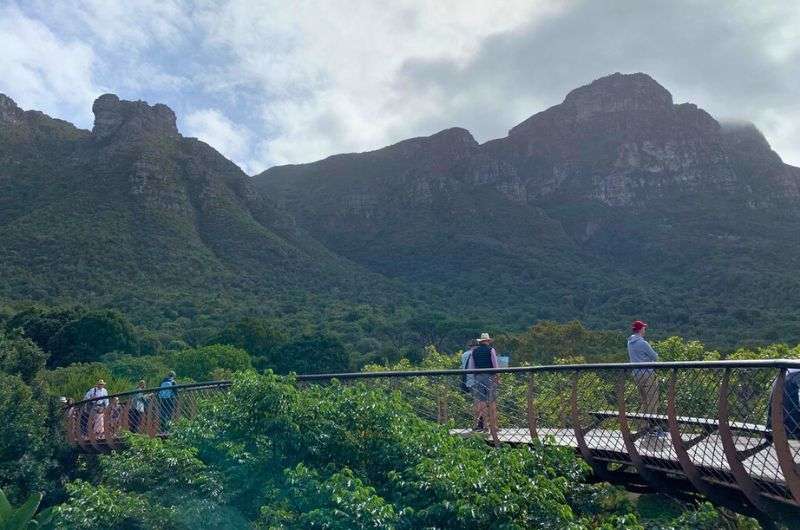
(707,454)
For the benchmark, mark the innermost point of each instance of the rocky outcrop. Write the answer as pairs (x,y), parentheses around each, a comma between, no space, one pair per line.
(115,118)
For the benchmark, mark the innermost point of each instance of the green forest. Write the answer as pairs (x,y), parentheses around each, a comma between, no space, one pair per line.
(274,454)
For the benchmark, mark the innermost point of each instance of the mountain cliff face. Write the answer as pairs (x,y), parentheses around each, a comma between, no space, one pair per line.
(615,203)
(132,214)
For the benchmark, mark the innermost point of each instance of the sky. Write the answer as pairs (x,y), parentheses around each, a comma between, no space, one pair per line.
(274,82)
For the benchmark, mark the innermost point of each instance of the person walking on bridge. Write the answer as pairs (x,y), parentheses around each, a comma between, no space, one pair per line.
(640,351)
(484,388)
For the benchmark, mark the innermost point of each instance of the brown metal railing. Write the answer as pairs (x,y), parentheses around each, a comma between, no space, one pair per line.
(724,429)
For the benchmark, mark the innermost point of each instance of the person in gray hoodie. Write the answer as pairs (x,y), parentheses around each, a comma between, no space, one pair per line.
(640,351)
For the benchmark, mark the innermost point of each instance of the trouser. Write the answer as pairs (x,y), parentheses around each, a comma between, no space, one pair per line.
(647,382)
(167,407)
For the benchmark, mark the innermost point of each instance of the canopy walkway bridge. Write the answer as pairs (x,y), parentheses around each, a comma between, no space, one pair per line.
(726,430)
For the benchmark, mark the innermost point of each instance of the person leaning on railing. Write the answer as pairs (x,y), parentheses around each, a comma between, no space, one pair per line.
(640,351)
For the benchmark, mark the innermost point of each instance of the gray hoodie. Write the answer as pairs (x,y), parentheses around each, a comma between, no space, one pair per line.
(639,350)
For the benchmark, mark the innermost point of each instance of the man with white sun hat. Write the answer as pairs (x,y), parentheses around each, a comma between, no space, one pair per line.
(484,387)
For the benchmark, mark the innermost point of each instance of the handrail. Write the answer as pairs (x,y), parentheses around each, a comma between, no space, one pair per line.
(187,386)
(751,363)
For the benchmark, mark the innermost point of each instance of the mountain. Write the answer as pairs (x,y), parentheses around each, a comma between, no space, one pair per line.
(133,215)
(616,203)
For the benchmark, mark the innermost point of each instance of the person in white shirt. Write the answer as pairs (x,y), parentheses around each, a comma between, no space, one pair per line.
(94,408)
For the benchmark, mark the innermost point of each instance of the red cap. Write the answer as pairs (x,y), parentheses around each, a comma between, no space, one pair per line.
(638,326)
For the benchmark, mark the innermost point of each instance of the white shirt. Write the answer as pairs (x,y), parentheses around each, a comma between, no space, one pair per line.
(95,392)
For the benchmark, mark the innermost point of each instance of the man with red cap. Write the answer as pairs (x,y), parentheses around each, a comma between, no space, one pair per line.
(640,351)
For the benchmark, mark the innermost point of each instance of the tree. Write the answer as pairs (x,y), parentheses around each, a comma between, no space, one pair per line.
(200,364)
(92,335)
(20,356)
(260,339)
(548,340)
(25,451)
(318,353)
(41,325)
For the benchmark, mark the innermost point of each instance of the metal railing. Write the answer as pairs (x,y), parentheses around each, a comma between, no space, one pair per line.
(726,429)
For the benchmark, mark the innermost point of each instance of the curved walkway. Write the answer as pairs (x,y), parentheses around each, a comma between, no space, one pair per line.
(716,428)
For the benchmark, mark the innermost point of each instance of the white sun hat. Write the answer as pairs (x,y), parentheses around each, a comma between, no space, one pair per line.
(485,337)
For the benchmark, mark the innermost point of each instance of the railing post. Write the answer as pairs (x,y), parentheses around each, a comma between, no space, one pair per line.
(532,414)
(780,439)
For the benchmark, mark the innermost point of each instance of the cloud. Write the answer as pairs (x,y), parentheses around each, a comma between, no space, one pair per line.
(42,71)
(328,74)
(726,57)
(214,128)
(314,78)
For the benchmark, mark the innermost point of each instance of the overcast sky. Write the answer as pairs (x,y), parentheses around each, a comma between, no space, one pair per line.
(275,82)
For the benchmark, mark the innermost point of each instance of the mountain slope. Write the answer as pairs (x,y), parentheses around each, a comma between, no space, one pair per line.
(136,216)
(614,204)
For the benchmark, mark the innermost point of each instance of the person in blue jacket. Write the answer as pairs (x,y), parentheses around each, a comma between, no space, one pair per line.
(640,351)
(167,400)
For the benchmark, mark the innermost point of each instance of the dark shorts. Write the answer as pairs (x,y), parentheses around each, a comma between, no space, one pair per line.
(484,388)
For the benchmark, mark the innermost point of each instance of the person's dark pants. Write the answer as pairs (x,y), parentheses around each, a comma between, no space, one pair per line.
(134,420)
(167,407)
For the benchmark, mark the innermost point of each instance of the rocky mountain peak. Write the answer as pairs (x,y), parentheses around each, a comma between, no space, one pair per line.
(618,92)
(9,111)
(745,135)
(116,117)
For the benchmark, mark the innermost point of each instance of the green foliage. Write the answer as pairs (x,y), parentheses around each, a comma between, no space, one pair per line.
(133,368)
(343,457)
(676,349)
(76,335)
(91,507)
(260,338)
(22,517)
(547,340)
(90,336)
(199,364)
(340,502)
(25,447)
(20,356)
(75,380)
(319,353)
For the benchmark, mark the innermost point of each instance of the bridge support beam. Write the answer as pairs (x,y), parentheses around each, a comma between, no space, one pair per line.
(648,475)
(780,440)
(681,451)
(740,475)
(580,437)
